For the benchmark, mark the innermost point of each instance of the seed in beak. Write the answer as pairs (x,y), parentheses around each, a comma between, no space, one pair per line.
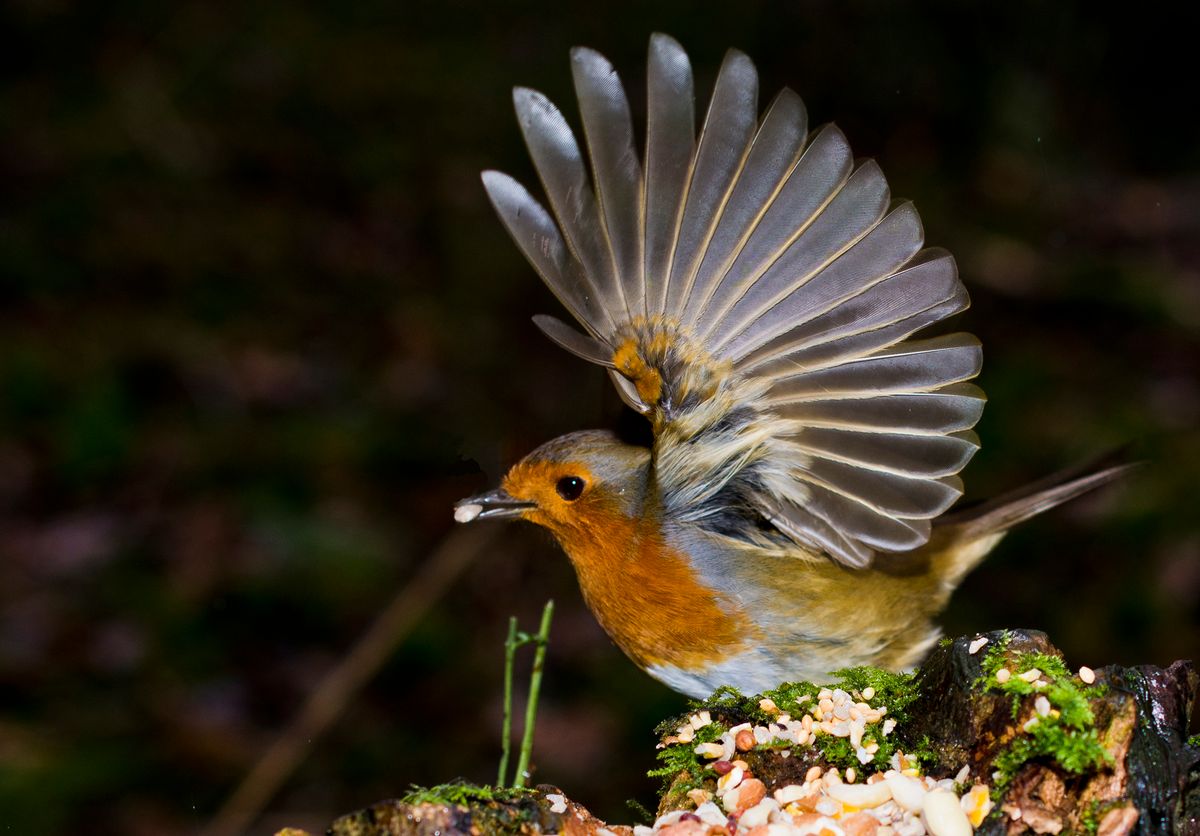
(466,513)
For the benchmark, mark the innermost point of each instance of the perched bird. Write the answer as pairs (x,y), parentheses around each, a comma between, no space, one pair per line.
(753,293)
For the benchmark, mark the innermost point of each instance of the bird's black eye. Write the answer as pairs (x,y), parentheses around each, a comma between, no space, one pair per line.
(569,488)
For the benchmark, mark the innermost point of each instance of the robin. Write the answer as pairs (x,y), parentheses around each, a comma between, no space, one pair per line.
(751,293)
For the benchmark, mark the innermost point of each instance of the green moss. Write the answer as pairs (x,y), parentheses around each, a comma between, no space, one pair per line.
(1075,751)
(640,811)
(895,690)
(680,758)
(726,701)
(1067,735)
(923,752)
(1194,740)
(1089,820)
(462,794)
(994,656)
(492,809)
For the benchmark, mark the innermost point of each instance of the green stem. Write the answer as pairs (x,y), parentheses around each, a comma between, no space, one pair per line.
(510,653)
(535,684)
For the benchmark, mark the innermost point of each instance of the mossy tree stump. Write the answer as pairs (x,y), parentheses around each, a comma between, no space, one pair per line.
(1104,754)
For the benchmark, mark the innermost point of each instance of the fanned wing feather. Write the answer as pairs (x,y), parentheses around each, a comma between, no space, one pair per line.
(855,521)
(618,174)
(819,174)
(670,146)
(724,141)
(809,529)
(887,494)
(556,156)
(950,409)
(774,152)
(882,250)
(581,345)
(915,366)
(916,455)
(752,294)
(848,217)
(538,237)
(923,292)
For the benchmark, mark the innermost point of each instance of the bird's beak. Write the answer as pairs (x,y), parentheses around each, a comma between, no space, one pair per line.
(495,504)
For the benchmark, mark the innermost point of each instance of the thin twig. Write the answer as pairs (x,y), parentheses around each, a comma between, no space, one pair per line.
(510,653)
(340,685)
(535,685)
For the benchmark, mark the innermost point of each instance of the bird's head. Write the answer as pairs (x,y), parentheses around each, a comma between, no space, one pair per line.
(568,485)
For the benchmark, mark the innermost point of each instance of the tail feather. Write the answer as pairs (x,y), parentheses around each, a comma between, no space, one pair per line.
(961,539)
(1007,510)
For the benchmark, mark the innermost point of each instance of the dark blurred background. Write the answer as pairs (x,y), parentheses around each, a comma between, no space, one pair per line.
(259,329)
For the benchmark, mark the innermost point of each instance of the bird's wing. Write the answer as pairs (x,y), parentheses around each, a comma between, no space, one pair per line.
(753,292)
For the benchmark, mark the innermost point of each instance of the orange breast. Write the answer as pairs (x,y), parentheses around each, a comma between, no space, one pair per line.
(647,597)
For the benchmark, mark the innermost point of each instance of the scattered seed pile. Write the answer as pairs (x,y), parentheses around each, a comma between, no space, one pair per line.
(892,802)
(835,713)
(899,801)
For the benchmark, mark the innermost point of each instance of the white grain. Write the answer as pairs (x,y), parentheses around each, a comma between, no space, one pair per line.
(466,513)
(861,795)
(944,816)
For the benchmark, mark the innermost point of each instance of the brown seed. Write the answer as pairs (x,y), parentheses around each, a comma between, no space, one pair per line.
(750,792)
(722,767)
(744,740)
(808,803)
(859,824)
(806,822)
(1118,821)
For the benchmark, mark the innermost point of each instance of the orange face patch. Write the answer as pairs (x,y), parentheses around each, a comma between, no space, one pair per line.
(537,482)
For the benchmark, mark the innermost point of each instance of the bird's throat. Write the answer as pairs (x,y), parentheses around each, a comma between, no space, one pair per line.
(648,598)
